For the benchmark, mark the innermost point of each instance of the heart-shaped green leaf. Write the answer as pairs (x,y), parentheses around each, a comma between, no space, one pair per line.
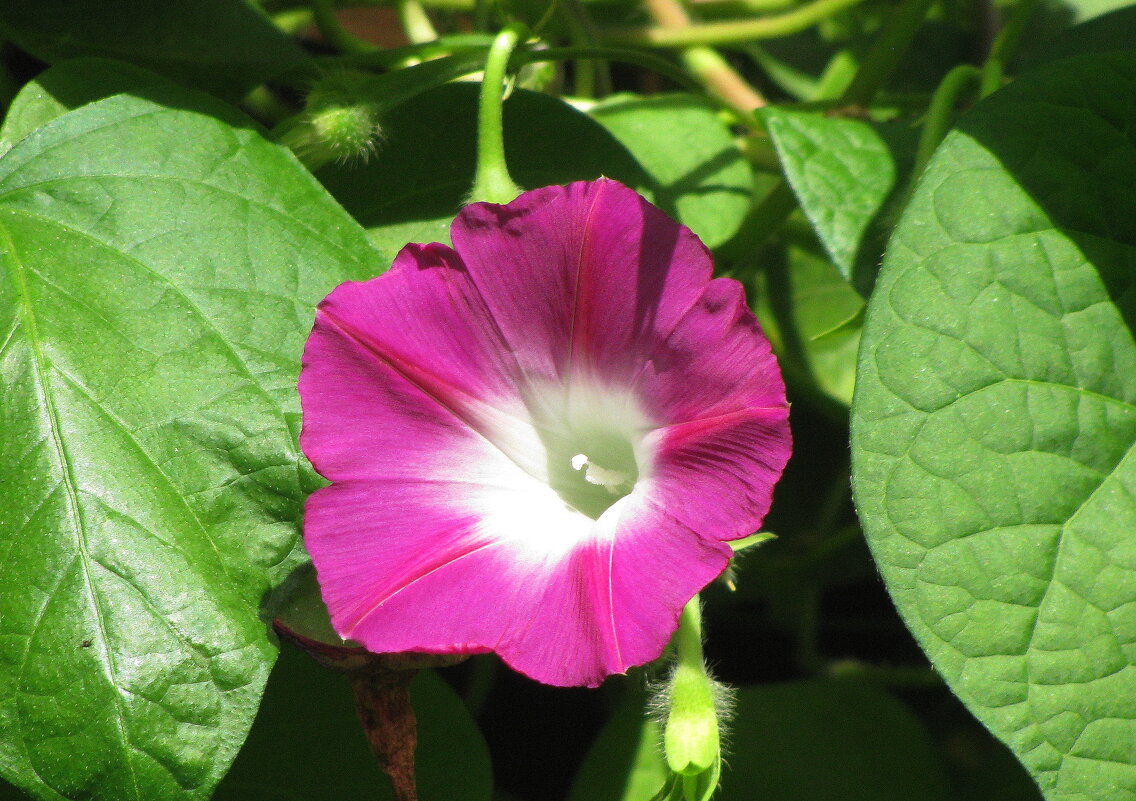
(994,422)
(841,171)
(159,263)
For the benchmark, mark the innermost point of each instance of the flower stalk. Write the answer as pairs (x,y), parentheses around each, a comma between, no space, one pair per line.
(492,182)
(380,684)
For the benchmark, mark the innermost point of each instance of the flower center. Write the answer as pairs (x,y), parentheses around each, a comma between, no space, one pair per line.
(593,443)
(592,469)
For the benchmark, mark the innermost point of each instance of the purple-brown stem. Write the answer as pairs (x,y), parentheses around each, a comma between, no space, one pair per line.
(382,700)
(381,684)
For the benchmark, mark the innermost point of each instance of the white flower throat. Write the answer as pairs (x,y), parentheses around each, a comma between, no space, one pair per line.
(592,438)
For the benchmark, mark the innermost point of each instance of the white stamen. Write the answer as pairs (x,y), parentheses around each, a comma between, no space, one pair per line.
(610,480)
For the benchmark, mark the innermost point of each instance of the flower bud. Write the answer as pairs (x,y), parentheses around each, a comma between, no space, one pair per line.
(340,121)
(693,708)
(691,737)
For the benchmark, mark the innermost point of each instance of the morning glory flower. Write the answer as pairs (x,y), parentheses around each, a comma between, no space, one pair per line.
(539,441)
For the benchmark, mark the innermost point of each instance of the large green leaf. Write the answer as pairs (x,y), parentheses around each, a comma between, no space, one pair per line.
(994,422)
(695,171)
(65,87)
(222,46)
(160,263)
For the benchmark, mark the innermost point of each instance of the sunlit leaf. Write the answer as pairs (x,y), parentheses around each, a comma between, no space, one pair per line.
(841,171)
(695,171)
(160,265)
(67,86)
(994,425)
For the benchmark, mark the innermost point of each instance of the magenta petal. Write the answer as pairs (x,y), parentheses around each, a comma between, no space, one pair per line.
(538,442)
(717,474)
(583,278)
(715,361)
(442,583)
(425,315)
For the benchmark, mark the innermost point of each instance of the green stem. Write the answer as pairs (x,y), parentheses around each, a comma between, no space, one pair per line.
(307,134)
(688,638)
(585,77)
(293,21)
(323,12)
(477,46)
(837,76)
(691,737)
(735,32)
(417,25)
(492,182)
(993,70)
(446,5)
(885,53)
(940,113)
(721,80)
(737,8)
(706,64)
(459,44)
(890,676)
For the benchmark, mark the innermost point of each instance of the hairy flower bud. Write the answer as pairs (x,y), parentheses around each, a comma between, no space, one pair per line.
(340,121)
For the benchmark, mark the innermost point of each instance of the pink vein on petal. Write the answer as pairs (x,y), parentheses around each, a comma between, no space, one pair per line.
(582,258)
(431,385)
(444,563)
(611,600)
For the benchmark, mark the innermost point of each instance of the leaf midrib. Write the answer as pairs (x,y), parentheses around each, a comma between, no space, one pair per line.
(68,480)
(218,336)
